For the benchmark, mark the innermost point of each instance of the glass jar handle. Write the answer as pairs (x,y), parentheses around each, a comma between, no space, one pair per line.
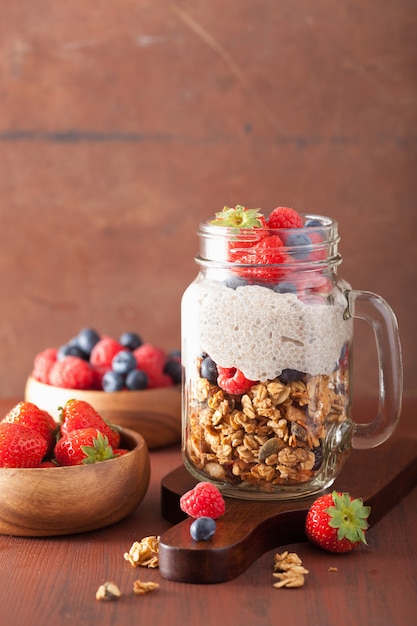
(377,312)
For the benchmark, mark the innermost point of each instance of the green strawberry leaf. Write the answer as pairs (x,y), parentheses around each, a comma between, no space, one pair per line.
(349,517)
(101,450)
(238,217)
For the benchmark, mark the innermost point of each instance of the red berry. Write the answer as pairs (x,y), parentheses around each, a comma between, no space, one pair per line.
(233,380)
(267,254)
(284,217)
(337,522)
(82,447)
(205,500)
(78,414)
(20,446)
(71,372)
(151,360)
(42,364)
(29,415)
(103,352)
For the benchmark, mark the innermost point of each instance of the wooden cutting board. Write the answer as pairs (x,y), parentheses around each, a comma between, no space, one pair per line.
(382,477)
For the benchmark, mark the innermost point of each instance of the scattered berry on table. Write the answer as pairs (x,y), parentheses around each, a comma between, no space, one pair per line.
(76,414)
(208,370)
(202,528)
(284,217)
(204,500)
(130,340)
(71,372)
(136,380)
(20,446)
(233,381)
(337,522)
(123,362)
(82,447)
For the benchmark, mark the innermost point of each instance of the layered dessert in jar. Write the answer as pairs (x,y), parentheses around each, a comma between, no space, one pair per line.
(266,345)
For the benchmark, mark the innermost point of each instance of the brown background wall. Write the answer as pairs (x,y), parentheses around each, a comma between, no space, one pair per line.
(123,124)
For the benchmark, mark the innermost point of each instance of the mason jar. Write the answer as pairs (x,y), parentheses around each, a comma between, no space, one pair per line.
(267,361)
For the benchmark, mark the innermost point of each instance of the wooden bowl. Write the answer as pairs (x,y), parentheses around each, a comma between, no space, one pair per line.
(154,413)
(49,501)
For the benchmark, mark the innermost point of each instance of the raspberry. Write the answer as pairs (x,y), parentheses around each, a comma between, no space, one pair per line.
(71,372)
(103,352)
(284,217)
(42,364)
(233,380)
(205,500)
(151,360)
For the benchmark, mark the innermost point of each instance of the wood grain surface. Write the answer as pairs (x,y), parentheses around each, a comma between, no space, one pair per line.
(53,581)
(124,124)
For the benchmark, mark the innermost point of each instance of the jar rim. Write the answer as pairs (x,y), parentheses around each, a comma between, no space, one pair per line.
(313,244)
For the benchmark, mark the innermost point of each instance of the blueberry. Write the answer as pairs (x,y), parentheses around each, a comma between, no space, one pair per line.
(130,340)
(136,380)
(175,354)
(112,381)
(235,281)
(71,349)
(290,376)
(285,287)
(318,454)
(208,369)
(87,339)
(123,362)
(202,528)
(173,369)
(301,241)
(312,223)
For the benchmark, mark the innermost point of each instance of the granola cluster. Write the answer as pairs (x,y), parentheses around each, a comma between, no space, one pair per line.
(272,435)
(289,570)
(144,553)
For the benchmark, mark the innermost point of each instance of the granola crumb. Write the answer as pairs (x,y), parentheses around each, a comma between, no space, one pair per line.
(144,553)
(289,570)
(108,591)
(332,569)
(140,587)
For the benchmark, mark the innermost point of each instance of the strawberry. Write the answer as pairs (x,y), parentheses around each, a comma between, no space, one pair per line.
(233,380)
(20,446)
(77,414)
(267,254)
(83,446)
(29,415)
(71,372)
(336,522)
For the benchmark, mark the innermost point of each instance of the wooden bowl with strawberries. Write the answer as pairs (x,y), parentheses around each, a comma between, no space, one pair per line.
(89,371)
(48,501)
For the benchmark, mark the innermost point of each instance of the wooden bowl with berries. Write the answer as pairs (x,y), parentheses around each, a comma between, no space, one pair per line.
(59,479)
(131,383)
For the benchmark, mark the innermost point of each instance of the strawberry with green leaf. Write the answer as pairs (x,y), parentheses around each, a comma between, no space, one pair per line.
(83,447)
(337,522)
(76,414)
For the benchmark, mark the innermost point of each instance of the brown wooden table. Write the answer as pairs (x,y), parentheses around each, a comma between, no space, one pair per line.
(53,581)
